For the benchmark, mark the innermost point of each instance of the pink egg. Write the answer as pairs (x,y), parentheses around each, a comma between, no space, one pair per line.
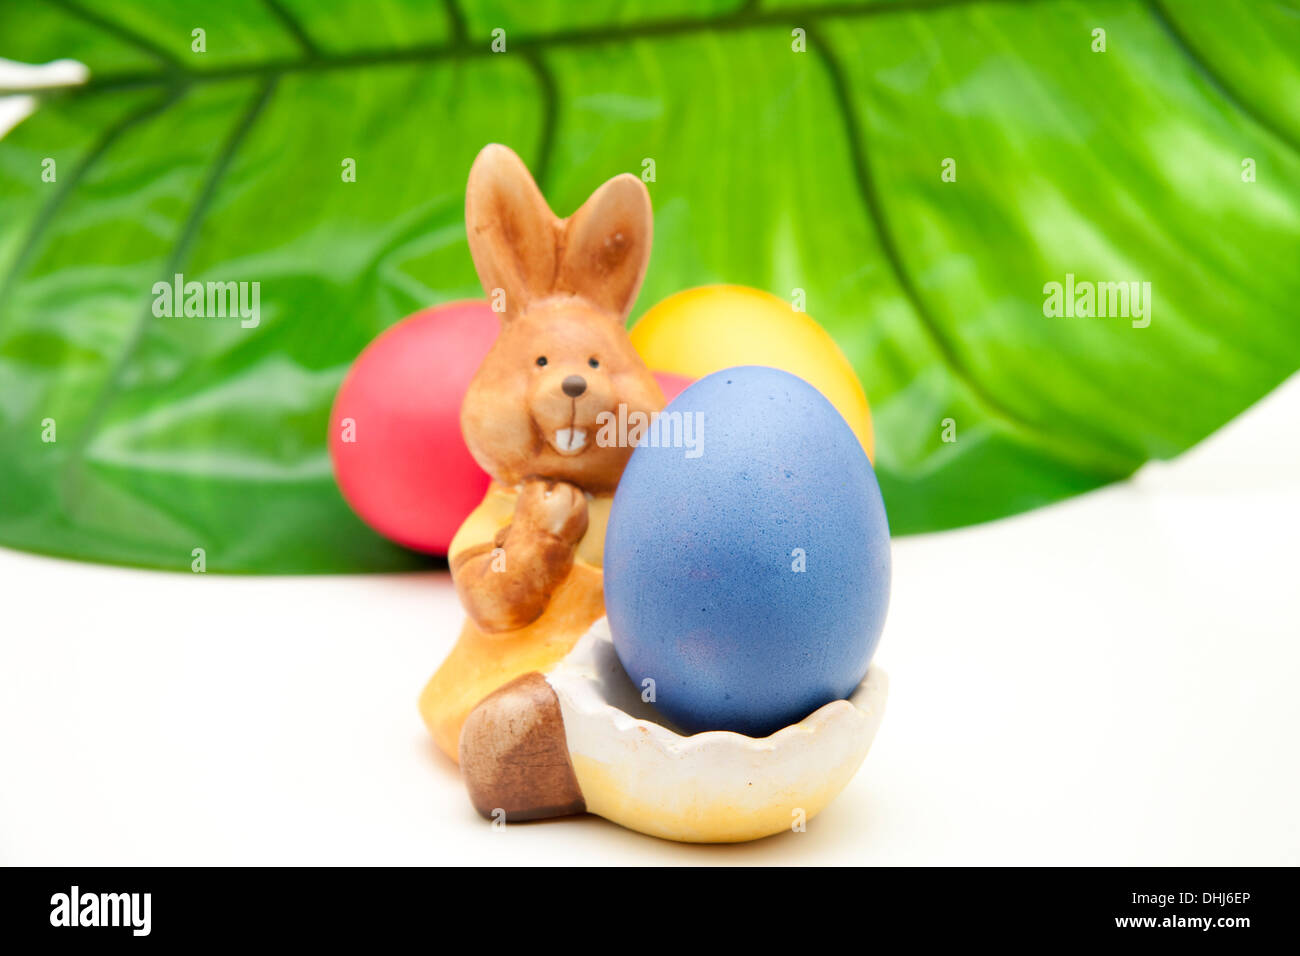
(395,440)
(671,384)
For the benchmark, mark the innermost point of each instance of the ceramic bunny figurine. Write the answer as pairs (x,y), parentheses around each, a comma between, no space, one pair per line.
(532,701)
(527,562)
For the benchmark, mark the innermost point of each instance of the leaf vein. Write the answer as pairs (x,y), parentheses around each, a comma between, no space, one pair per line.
(69,184)
(550,115)
(293,26)
(456,20)
(1117,467)
(1184,45)
(189,230)
(118,31)
(746,17)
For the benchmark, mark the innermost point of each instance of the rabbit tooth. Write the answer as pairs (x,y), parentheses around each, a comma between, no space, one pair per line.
(570,440)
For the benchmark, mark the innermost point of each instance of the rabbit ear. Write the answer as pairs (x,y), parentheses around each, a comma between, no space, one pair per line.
(607,245)
(511,230)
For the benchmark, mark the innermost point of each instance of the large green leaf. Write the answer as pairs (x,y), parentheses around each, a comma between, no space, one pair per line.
(817,170)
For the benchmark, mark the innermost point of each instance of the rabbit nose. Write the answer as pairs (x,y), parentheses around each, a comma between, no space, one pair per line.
(574,386)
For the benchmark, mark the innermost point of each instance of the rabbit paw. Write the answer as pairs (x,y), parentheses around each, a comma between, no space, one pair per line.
(556,508)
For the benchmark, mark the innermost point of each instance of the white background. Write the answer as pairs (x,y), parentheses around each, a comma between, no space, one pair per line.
(1113,680)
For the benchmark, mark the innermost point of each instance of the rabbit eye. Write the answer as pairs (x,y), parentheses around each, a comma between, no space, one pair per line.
(593,363)
(541,360)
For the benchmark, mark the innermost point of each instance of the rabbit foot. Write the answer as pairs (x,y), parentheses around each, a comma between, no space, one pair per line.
(514,756)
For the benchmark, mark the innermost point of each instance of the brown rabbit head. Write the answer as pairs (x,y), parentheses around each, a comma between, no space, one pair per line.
(563,356)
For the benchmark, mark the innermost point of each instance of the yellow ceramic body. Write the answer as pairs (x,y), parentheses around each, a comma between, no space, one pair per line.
(703,330)
(481,662)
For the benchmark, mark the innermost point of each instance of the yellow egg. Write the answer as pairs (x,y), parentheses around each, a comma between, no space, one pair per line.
(699,331)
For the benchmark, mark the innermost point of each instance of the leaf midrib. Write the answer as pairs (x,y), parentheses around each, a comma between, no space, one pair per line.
(748,16)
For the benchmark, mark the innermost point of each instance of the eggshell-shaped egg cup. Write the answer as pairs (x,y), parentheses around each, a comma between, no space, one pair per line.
(711,787)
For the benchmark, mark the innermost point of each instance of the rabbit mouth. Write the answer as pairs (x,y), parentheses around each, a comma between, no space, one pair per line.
(570,441)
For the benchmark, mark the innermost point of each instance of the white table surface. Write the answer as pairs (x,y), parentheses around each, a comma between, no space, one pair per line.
(1113,680)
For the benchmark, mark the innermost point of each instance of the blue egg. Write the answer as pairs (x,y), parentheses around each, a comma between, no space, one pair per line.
(747,555)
